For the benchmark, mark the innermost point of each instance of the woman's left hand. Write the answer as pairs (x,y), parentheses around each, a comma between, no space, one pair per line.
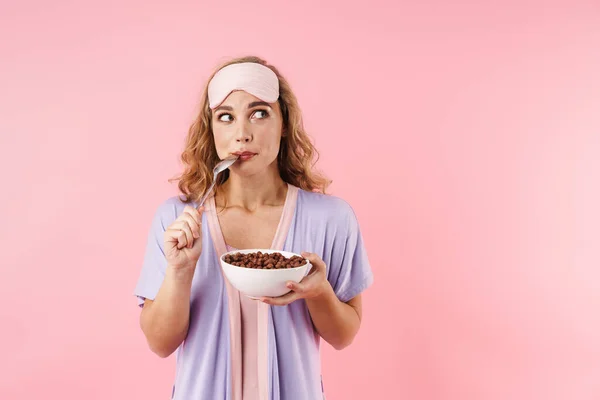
(312,285)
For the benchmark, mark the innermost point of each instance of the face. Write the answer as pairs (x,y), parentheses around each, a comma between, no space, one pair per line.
(249,127)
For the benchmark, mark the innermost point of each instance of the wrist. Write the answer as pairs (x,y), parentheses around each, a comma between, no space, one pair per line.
(324,293)
(181,274)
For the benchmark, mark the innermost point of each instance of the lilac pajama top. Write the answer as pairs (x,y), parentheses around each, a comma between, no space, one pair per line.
(288,367)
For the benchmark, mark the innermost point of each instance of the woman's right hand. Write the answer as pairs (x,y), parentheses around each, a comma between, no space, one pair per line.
(183,239)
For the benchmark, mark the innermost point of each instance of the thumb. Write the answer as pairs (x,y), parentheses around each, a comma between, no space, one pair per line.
(198,215)
(197,243)
(314,259)
(200,210)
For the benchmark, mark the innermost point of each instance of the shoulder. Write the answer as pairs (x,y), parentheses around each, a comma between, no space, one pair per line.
(329,208)
(168,210)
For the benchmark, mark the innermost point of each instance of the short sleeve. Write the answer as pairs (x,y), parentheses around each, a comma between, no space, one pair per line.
(349,269)
(154,264)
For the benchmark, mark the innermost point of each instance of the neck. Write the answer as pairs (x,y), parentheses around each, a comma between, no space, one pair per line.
(252,192)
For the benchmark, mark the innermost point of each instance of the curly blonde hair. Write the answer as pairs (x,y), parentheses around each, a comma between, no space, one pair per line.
(296,159)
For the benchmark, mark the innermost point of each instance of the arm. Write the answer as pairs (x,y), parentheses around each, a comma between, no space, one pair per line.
(337,322)
(165,320)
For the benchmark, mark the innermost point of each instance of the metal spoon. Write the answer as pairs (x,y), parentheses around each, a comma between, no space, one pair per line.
(220,167)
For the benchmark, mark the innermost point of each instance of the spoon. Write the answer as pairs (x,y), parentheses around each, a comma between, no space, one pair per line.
(220,167)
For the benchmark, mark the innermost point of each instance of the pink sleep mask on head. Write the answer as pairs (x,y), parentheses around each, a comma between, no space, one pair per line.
(254,78)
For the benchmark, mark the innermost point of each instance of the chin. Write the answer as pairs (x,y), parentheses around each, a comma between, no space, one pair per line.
(252,167)
(247,169)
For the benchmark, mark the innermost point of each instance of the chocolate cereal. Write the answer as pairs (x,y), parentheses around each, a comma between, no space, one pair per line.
(260,260)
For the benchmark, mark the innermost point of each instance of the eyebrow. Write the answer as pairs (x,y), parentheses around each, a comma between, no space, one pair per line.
(251,105)
(259,103)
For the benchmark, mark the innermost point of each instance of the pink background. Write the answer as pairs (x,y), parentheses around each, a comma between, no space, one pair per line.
(466,137)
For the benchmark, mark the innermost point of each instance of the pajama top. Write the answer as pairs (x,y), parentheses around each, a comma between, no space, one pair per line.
(288,367)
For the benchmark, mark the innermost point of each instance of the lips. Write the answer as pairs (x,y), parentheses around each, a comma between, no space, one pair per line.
(244,155)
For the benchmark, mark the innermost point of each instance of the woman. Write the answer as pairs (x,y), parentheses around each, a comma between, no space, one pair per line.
(229,346)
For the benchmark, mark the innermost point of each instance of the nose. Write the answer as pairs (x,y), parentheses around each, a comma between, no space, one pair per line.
(243,134)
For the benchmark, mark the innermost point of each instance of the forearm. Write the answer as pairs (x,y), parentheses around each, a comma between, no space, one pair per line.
(335,321)
(165,320)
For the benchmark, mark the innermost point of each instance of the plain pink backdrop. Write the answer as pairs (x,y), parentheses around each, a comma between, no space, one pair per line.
(466,136)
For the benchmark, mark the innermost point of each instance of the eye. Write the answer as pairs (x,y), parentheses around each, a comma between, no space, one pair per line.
(225,117)
(260,114)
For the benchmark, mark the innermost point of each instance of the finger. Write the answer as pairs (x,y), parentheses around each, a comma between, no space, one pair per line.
(314,259)
(184,227)
(281,300)
(195,228)
(176,237)
(299,288)
(197,243)
(195,213)
(182,240)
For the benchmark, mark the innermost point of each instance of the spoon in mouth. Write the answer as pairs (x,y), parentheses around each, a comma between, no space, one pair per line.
(220,167)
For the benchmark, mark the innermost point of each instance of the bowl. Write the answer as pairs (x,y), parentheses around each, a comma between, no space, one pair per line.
(256,283)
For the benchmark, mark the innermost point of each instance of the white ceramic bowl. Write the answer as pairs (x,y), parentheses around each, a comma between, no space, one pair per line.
(257,283)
